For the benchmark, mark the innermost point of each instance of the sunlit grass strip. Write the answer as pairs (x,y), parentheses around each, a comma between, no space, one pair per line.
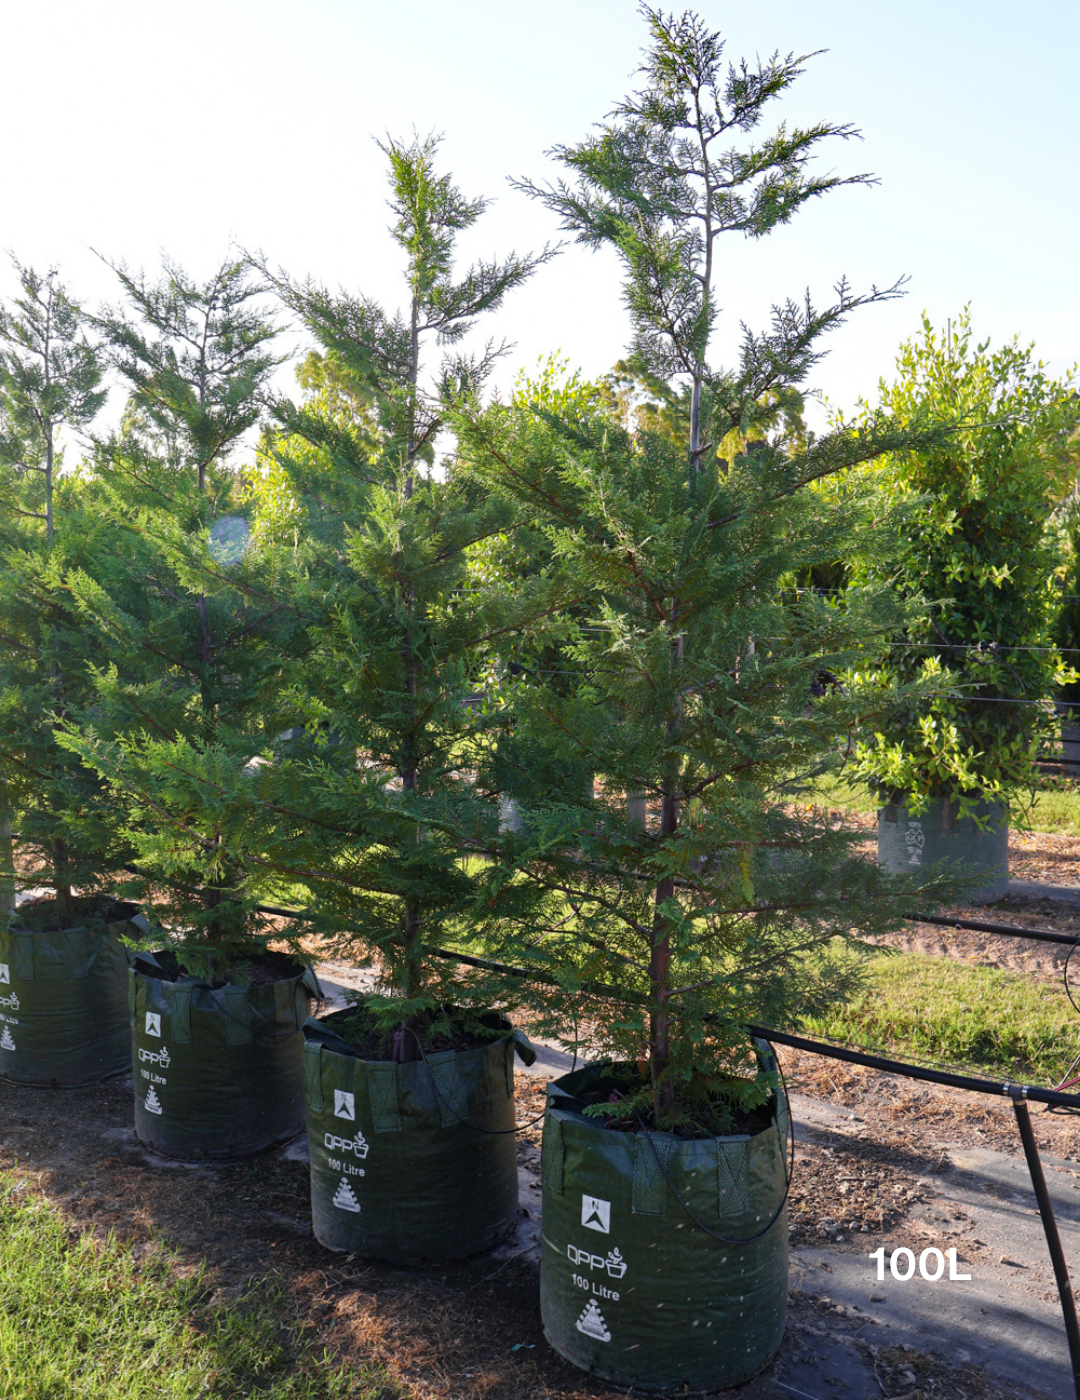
(1056,806)
(981,1018)
(83,1320)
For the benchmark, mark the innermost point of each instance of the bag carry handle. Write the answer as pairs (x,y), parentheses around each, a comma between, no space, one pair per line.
(750,1239)
(447,1109)
(237,997)
(313,1074)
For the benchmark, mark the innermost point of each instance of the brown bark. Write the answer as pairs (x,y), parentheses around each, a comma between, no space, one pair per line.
(7,864)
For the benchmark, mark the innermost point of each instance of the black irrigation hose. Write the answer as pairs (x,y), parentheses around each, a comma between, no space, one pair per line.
(1033,1093)
(1006,930)
(1053,1239)
(1065,972)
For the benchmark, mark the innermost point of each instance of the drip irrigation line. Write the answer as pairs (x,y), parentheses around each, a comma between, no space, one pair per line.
(1032,1093)
(986,649)
(1068,990)
(1006,930)
(1053,1238)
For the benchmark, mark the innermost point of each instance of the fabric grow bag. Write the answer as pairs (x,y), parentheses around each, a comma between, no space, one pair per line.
(909,845)
(218,1070)
(398,1171)
(63,999)
(631,1289)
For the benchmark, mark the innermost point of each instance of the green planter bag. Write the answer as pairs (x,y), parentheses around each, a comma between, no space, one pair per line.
(631,1289)
(218,1070)
(909,845)
(63,998)
(412,1163)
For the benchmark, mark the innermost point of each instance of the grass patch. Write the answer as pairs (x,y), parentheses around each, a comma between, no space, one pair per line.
(994,1021)
(1056,806)
(84,1320)
(838,795)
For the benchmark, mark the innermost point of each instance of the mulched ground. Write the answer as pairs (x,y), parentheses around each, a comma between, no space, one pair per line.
(472,1331)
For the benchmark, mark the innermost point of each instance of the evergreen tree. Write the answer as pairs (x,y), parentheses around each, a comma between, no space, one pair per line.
(659,186)
(701,685)
(51,377)
(192,624)
(389,845)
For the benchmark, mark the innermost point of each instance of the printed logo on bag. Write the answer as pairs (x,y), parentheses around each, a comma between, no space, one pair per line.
(358,1144)
(615,1264)
(915,838)
(153,1023)
(153,1103)
(592,1323)
(345,1198)
(12,1001)
(5,973)
(6,1042)
(344,1105)
(596,1214)
(161,1057)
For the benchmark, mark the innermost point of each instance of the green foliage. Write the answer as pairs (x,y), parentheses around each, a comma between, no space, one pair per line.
(378,354)
(189,620)
(369,796)
(976,549)
(196,356)
(660,186)
(688,678)
(50,379)
(1066,630)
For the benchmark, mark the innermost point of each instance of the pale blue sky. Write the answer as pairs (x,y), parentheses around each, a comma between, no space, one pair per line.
(135,127)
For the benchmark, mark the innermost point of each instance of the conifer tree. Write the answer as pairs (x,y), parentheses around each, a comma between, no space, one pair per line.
(191,623)
(377,808)
(700,684)
(51,379)
(660,186)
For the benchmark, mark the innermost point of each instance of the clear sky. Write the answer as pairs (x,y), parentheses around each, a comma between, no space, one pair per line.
(136,126)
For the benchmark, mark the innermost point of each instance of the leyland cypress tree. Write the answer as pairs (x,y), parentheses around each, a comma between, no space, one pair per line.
(700,685)
(380,810)
(191,623)
(663,180)
(51,380)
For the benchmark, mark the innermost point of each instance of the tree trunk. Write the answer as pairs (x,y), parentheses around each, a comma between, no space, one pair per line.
(408,1044)
(660,956)
(7,863)
(49,459)
(660,970)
